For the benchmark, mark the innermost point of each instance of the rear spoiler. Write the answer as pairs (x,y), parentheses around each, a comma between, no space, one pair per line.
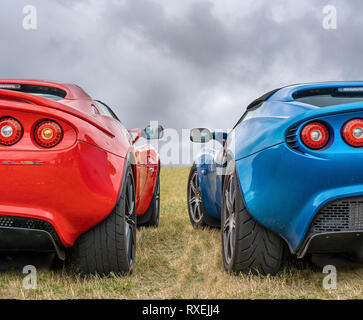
(44,102)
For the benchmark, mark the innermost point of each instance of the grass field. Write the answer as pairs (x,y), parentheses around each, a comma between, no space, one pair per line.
(175,261)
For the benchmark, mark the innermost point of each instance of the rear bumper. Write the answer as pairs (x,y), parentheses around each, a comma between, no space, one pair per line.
(284,190)
(72,189)
(350,242)
(28,240)
(337,227)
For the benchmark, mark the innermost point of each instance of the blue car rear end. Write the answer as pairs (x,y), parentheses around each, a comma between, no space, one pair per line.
(312,198)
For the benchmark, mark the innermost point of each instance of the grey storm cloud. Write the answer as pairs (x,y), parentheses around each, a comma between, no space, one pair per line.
(184,63)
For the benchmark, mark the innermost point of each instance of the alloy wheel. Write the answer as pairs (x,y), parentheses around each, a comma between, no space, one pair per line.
(130,220)
(229,219)
(195,199)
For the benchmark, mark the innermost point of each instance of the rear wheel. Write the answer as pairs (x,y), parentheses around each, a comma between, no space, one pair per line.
(111,245)
(247,246)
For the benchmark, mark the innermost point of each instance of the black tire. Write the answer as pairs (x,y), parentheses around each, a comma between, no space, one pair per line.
(111,245)
(247,246)
(152,215)
(197,213)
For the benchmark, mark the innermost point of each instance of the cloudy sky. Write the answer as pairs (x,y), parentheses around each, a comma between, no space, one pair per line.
(190,63)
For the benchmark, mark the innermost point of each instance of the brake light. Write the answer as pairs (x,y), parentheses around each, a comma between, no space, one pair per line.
(315,135)
(11,131)
(353,133)
(48,133)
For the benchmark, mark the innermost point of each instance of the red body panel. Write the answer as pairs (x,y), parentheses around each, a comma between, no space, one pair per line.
(76,184)
(147,166)
(67,190)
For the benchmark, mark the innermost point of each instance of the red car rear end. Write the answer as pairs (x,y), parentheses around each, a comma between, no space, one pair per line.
(63,164)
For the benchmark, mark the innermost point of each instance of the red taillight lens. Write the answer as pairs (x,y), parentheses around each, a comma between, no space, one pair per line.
(353,133)
(11,131)
(315,135)
(48,133)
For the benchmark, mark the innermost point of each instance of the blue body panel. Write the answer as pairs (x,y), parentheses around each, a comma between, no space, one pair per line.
(210,182)
(284,188)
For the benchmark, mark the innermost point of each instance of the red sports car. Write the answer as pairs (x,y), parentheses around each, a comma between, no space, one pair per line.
(72,181)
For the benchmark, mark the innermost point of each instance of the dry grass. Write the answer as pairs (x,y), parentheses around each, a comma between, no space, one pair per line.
(175,261)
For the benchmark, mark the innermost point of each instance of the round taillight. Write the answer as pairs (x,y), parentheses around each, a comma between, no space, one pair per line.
(353,133)
(315,135)
(11,131)
(48,133)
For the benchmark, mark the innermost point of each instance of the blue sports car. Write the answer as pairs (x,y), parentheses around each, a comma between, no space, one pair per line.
(287,178)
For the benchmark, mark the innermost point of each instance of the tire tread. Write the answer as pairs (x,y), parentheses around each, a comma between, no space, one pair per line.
(257,250)
(102,250)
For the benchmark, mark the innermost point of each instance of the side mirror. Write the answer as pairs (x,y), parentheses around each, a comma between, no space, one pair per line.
(149,133)
(200,135)
(153,132)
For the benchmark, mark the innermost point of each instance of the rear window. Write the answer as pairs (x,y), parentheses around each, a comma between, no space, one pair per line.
(41,91)
(325,97)
(48,96)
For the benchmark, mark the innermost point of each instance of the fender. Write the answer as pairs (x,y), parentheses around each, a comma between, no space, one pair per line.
(130,159)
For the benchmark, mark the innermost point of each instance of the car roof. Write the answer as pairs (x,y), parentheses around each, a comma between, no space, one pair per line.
(286,93)
(72,91)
